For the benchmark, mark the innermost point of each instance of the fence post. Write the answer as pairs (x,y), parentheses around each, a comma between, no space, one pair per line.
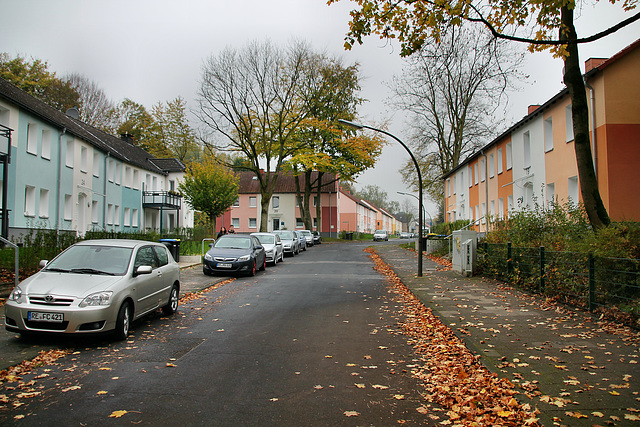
(592,282)
(542,262)
(509,264)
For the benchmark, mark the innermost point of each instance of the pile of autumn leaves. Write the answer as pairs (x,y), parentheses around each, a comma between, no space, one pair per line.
(451,374)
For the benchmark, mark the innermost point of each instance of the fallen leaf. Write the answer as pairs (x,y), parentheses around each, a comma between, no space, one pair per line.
(351,413)
(614,393)
(117,414)
(399,396)
(597,414)
(631,417)
(360,385)
(73,387)
(102,392)
(380,387)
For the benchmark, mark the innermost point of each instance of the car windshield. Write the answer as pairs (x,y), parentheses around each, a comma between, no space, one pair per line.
(286,235)
(233,242)
(265,239)
(380,232)
(92,259)
(306,233)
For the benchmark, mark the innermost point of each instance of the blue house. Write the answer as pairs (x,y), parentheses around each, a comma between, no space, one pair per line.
(61,173)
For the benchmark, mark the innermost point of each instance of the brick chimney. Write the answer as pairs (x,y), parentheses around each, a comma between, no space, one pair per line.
(532,108)
(592,63)
(127,137)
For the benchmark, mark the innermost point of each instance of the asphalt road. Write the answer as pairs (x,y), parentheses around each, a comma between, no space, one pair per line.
(310,341)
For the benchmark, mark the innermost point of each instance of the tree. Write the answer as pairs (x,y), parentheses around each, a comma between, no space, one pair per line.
(452,90)
(171,135)
(132,119)
(253,101)
(413,22)
(333,93)
(94,105)
(375,195)
(209,188)
(35,78)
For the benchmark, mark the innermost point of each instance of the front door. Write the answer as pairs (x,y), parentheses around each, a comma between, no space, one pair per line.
(276,224)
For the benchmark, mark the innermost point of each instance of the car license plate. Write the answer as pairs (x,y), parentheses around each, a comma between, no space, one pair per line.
(45,317)
(224,265)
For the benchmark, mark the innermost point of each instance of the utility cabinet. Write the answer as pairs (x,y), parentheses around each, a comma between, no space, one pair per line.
(465,245)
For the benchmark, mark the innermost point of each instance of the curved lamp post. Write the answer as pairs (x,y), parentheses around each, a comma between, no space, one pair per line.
(423,209)
(358,126)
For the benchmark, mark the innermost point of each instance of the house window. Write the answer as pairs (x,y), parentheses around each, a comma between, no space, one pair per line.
(127,176)
(528,194)
(29,201)
(493,208)
(454,184)
(110,214)
(118,173)
(499,161)
(94,211)
(475,172)
(509,203)
(112,170)
(134,217)
(574,190)
(172,185)
(299,223)
(275,202)
(526,145)
(315,201)
(235,222)
(500,208)
(484,212)
(252,201)
(68,207)
(253,223)
(84,160)
(477,212)
(127,217)
(43,210)
(509,157)
(491,166)
(483,169)
(69,155)
(32,138)
(299,201)
(471,177)
(236,204)
(96,165)
(315,223)
(136,179)
(448,183)
(568,112)
(551,194)
(116,214)
(548,134)
(46,144)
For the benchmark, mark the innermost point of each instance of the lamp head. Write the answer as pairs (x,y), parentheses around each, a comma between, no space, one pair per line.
(351,125)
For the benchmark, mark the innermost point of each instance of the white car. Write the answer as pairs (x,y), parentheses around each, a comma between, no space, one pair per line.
(380,235)
(95,286)
(272,246)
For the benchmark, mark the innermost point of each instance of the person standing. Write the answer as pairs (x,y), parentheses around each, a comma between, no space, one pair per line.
(222,232)
(231,230)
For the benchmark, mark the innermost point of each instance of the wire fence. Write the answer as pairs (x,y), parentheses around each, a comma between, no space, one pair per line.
(610,286)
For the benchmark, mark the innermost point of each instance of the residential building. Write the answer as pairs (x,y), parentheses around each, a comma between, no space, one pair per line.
(60,173)
(534,163)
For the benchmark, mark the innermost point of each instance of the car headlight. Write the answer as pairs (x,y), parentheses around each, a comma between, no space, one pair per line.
(269,252)
(97,299)
(15,295)
(208,257)
(244,258)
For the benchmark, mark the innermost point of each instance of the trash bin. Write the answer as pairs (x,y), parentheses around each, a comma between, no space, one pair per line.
(349,236)
(174,247)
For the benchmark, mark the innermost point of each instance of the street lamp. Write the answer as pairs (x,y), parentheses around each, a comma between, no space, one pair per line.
(358,126)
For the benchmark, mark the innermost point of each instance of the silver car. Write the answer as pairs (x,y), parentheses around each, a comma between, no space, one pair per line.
(290,244)
(302,241)
(307,235)
(272,246)
(96,286)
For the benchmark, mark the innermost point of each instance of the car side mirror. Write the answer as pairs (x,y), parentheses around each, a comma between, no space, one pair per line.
(259,247)
(43,263)
(143,269)
(210,245)
(279,243)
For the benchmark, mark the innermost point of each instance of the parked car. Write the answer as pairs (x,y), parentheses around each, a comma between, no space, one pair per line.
(317,239)
(235,253)
(290,243)
(380,235)
(302,241)
(405,235)
(95,286)
(272,246)
(308,236)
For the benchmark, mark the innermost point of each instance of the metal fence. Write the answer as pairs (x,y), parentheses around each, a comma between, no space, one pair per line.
(607,285)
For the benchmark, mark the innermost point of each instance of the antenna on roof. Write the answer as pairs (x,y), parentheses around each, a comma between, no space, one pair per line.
(74,113)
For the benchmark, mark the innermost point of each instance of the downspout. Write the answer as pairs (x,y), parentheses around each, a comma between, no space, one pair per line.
(486,191)
(58,177)
(594,139)
(104,206)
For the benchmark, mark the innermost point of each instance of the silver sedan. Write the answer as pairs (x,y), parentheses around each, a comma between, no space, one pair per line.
(96,286)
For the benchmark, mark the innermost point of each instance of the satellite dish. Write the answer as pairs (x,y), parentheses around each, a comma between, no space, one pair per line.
(74,113)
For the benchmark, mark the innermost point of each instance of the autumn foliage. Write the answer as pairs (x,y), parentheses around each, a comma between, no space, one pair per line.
(451,375)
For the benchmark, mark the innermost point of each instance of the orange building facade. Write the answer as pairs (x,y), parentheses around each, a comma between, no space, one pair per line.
(534,162)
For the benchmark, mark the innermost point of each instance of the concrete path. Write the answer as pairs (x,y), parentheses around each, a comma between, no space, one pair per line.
(576,369)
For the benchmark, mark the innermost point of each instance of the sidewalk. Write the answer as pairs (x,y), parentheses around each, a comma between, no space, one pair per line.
(577,370)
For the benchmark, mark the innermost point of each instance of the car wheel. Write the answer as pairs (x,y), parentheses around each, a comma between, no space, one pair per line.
(252,271)
(264,264)
(123,321)
(172,305)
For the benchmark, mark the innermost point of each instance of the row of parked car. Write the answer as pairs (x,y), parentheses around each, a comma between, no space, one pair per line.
(247,253)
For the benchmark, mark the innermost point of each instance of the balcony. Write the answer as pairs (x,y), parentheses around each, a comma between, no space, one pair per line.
(161,200)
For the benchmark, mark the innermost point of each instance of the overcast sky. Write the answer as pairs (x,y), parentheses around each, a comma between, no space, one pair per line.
(152,50)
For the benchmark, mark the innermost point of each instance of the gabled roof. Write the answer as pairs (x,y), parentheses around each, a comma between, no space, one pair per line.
(169,165)
(285,183)
(358,200)
(116,147)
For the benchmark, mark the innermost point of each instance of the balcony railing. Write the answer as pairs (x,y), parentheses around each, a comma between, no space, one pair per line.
(161,199)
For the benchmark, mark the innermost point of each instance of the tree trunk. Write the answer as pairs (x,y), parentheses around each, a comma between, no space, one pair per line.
(308,223)
(319,203)
(594,207)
